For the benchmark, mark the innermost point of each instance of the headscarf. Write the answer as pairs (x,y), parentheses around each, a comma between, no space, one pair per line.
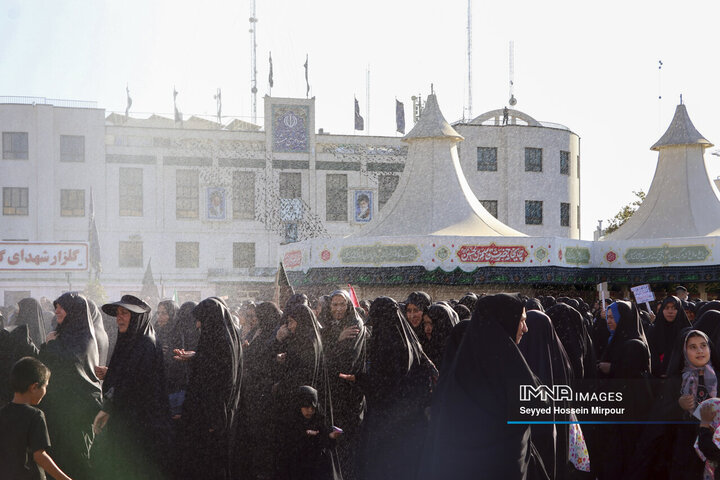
(354,350)
(443,319)
(691,373)
(101,336)
(76,334)
(534,304)
(666,334)
(167,334)
(392,335)
(30,313)
(419,299)
(468,300)
(187,331)
(712,305)
(573,335)
(462,311)
(305,345)
(709,324)
(628,328)
(544,351)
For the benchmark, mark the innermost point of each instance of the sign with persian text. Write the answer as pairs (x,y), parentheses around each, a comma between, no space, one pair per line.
(666,254)
(43,256)
(492,254)
(379,254)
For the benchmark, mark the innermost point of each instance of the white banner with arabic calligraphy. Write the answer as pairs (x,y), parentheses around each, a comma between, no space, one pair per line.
(469,253)
(43,256)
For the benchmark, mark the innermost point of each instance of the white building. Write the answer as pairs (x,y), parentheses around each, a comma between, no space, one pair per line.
(207,205)
(526,173)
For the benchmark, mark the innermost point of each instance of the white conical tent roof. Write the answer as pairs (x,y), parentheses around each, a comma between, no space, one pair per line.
(682,200)
(433,196)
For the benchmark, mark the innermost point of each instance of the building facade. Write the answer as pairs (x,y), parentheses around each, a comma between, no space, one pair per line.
(206,206)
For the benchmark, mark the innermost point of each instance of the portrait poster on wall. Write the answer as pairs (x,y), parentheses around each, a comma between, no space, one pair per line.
(215,203)
(363,205)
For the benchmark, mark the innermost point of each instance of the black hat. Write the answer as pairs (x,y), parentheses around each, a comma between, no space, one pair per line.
(128,302)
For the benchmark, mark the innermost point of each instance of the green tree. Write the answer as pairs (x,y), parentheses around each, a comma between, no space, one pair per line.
(625,213)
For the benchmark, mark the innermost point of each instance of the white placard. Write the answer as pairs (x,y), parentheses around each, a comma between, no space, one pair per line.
(43,256)
(643,293)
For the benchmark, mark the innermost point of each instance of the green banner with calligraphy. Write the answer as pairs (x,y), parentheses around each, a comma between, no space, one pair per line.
(666,255)
(577,255)
(379,254)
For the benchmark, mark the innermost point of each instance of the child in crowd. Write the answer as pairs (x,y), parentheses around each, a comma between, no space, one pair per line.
(24,438)
(308,441)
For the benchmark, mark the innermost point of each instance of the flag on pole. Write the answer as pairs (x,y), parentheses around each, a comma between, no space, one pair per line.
(129,101)
(175,298)
(218,100)
(353,297)
(359,122)
(178,114)
(270,75)
(283,289)
(94,239)
(307,82)
(400,116)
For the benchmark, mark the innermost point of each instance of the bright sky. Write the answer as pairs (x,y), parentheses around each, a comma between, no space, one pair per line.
(592,66)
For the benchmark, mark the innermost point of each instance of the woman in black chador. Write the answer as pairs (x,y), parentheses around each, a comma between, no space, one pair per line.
(134,420)
(344,338)
(73,396)
(209,414)
(437,324)
(670,321)
(546,356)
(469,435)
(30,313)
(397,387)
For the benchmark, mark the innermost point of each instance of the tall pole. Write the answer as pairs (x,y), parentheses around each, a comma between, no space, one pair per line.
(367,101)
(253,60)
(469,52)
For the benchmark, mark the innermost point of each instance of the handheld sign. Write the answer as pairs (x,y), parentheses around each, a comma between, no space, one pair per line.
(643,293)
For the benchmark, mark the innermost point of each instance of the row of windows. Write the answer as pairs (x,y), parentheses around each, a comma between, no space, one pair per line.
(534,211)
(487,160)
(187,254)
(15,147)
(72,202)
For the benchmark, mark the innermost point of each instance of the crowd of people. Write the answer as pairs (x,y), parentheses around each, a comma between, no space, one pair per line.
(330,388)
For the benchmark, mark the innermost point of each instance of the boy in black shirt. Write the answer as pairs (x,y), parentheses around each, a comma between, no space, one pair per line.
(24,438)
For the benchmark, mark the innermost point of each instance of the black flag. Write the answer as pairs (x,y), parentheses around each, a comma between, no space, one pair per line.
(359,122)
(94,240)
(400,116)
(307,82)
(270,75)
(129,101)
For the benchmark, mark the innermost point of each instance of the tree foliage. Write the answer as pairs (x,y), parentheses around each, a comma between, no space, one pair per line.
(625,213)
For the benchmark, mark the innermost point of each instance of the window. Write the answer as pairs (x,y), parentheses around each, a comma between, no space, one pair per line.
(490,206)
(290,185)
(564,214)
(336,190)
(243,255)
(15,145)
(244,195)
(72,203)
(565,163)
(131,254)
(15,201)
(386,186)
(131,192)
(533,159)
(72,148)
(187,254)
(187,194)
(533,212)
(487,159)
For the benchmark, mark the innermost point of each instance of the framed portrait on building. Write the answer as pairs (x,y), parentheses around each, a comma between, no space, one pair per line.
(216,203)
(363,205)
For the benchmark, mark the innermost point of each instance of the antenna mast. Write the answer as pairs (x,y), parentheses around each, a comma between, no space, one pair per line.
(253,60)
(513,100)
(469,52)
